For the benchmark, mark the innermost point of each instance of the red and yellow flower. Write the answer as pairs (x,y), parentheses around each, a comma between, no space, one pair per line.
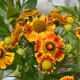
(6,58)
(78,32)
(56,17)
(27,13)
(67,78)
(52,44)
(38,27)
(47,64)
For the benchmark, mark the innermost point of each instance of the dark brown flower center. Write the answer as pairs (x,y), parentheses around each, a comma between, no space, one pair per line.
(39,26)
(49,46)
(1,53)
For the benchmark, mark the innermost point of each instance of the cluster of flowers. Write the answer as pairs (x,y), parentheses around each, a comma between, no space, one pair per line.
(49,46)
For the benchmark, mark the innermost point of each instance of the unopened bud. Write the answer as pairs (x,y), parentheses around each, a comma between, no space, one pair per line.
(70,20)
(21,51)
(59,8)
(16,72)
(8,41)
(68,27)
(68,47)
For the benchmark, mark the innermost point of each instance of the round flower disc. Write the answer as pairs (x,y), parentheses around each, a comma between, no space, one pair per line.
(46,64)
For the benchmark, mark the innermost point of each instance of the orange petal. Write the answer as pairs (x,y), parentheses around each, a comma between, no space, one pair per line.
(16,31)
(2,65)
(32,36)
(51,36)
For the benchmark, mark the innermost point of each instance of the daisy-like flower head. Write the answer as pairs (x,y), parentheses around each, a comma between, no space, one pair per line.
(52,44)
(67,78)
(56,17)
(27,13)
(6,58)
(69,19)
(47,64)
(37,27)
(78,32)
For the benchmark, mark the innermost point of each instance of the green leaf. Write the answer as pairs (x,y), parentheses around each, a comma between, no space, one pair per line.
(2,12)
(3,5)
(69,10)
(4,25)
(30,75)
(41,76)
(31,4)
(3,9)
(1,74)
(58,76)
(79,16)
(18,5)
(75,7)
(12,11)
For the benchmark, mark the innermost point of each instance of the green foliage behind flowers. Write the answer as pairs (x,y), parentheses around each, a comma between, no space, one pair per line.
(39,47)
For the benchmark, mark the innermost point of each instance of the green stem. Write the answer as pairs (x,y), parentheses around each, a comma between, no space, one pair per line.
(77,58)
(62,32)
(23,4)
(79,10)
(79,4)
(1,74)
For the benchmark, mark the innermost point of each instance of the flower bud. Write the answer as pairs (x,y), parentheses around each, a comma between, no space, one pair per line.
(59,8)
(70,20)
(16,72)
(68,27)
(21,51)
(68,47)
(8,41)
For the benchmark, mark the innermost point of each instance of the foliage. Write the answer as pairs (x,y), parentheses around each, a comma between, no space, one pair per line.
(14,17)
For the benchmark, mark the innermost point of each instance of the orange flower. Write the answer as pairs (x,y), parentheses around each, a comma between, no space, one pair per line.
(67,78)
(78,32)
(6,58)
(27,13)
(56,17)
(38,27)
(46,64)
(52,44)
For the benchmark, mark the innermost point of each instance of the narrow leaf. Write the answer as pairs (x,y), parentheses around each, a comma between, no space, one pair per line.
(12,11)
(69,10)
(3,24)
(2,12)
(31,4)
